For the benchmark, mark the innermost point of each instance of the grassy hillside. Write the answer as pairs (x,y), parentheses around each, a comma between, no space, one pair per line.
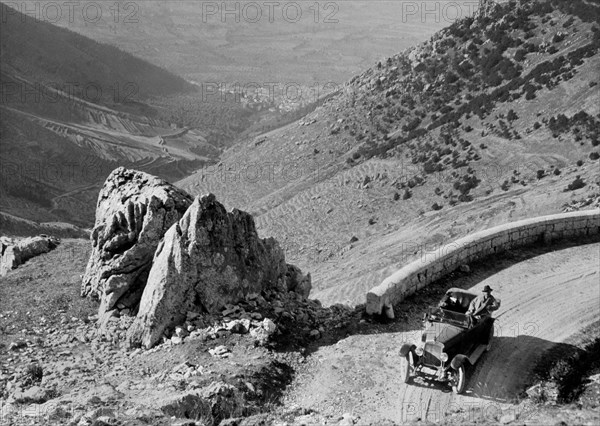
(494,118)
(74,109)
(41,52)
(15,226)
(72,102)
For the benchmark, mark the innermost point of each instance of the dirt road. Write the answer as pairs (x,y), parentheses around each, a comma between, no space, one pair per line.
(545,299)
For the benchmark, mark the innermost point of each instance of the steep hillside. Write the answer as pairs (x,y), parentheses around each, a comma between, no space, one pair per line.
(494,118)
(74,109)
(278,63)
(41,52)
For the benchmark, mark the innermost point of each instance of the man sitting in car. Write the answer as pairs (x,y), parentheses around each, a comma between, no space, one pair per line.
(483,305)
(450,303)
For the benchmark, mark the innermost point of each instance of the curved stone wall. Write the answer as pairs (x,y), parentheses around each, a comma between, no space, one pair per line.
(449,257)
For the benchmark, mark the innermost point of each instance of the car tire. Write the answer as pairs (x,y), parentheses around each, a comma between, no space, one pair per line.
(407,366)
(460,380)
(490,337)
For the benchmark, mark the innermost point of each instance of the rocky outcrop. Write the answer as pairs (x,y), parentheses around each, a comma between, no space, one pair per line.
(159,254)
(15,252)
(297,282)
(133,213)
(209,259)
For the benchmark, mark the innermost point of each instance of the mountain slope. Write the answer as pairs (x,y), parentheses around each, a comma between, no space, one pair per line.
(72,110)
(41,52)
(489,121)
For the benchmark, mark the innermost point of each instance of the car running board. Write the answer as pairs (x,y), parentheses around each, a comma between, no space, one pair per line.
(476,354)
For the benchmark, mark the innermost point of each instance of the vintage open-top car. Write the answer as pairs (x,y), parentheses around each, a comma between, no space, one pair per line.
(450,342)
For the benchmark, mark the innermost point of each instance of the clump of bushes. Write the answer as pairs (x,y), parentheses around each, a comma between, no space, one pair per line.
(578,183)
(565,367)
(33,374)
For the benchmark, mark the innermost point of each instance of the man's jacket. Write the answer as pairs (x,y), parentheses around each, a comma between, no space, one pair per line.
(479,306)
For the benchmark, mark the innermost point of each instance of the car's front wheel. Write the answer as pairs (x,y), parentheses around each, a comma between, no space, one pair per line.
(459,380)
(407,366)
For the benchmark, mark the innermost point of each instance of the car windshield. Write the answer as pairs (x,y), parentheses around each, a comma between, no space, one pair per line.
(437,314)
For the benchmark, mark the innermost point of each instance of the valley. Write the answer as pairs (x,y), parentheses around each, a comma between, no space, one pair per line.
(423,130)
(353,194)
(65,128)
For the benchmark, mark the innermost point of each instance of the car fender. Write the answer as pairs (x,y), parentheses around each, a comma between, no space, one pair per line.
(459,360)
(406,348)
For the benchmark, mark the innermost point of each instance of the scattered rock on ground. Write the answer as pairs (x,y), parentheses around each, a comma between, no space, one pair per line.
(14,252)
(34,394)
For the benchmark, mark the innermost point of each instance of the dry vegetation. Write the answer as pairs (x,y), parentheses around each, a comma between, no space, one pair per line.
(422,148)
(492,120)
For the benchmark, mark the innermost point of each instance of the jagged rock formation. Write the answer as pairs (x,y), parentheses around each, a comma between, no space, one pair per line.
(208,259)
(297,282)
(15,252)
(133,213)
(159,254)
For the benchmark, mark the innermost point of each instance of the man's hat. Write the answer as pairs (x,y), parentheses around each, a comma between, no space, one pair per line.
(487,289)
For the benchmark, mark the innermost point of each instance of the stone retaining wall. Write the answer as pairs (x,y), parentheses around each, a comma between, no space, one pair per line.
(449,257)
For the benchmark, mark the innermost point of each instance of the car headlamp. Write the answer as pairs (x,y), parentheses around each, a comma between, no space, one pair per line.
(419,350)
(444,357)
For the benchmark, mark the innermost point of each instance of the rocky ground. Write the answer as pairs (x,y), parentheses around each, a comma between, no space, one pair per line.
(247,365)
(57,368)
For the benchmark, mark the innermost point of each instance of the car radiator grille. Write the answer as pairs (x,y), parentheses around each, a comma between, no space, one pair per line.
(432,354)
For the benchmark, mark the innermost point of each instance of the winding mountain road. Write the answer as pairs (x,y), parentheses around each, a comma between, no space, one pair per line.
(545,299)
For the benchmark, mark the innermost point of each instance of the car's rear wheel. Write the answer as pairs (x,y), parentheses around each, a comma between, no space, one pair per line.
(490,337)
(459,380)
(407,366)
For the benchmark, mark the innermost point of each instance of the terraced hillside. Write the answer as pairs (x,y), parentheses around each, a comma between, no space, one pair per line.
(72,110)
(494,118)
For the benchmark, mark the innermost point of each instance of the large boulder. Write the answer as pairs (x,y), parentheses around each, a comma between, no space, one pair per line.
(210,258)
(133,213)
(15,252)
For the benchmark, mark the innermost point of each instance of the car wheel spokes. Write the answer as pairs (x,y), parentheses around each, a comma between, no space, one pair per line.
(459,379)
